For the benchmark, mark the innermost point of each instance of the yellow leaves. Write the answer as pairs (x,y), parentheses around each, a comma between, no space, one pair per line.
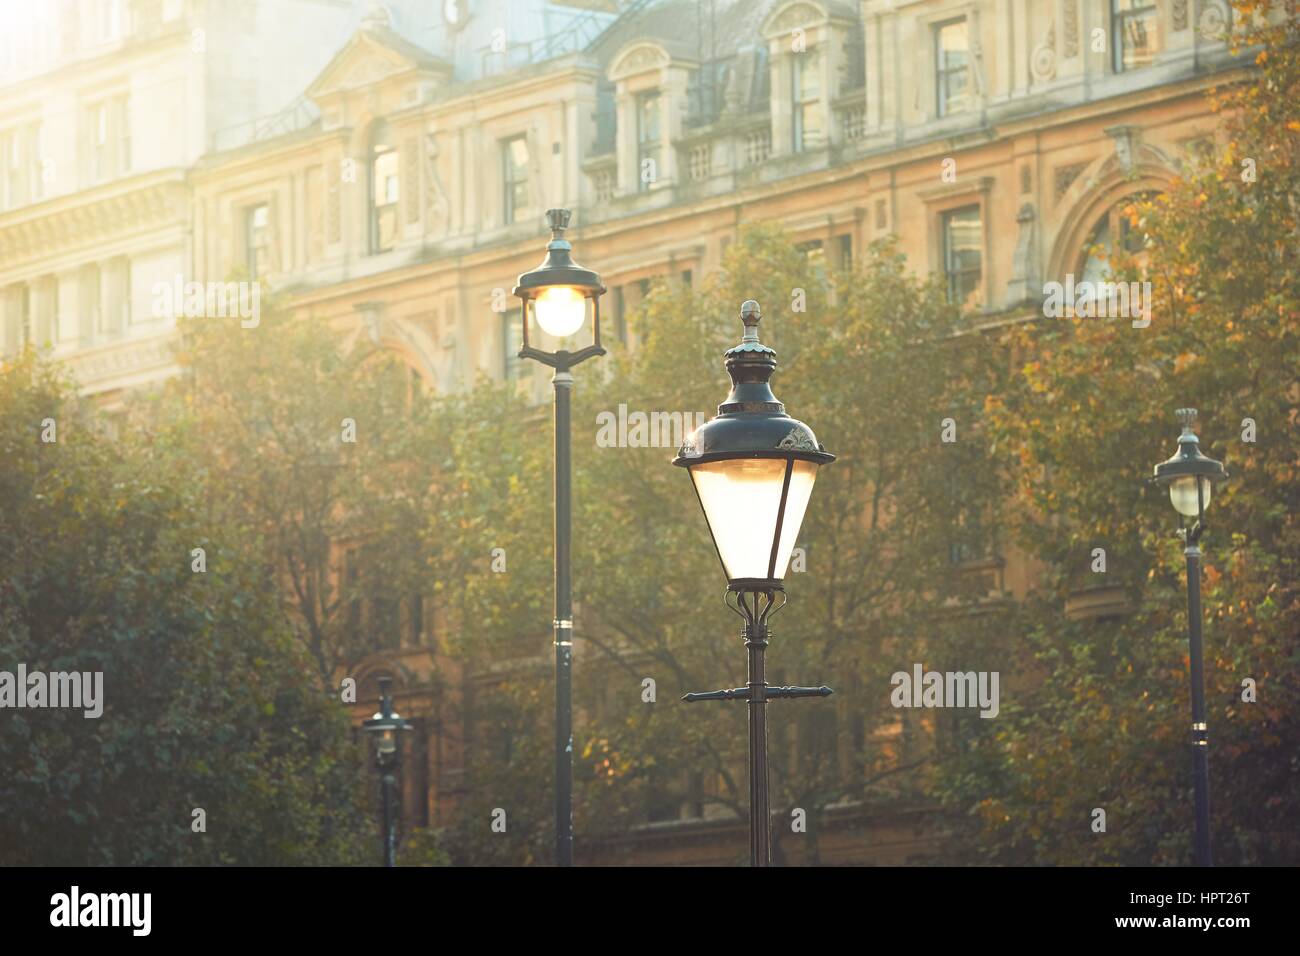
(1185,360)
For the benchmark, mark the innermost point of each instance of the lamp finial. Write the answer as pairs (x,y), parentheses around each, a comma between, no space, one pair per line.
(1186,418)
(557,220)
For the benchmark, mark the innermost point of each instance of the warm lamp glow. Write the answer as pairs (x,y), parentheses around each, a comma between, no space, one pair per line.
(1182,493)
(741,499)
(560,310)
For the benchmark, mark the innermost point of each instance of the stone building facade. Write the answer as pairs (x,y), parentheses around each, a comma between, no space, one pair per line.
(398,185)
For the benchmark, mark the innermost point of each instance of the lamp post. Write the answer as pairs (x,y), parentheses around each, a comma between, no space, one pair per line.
(557,293)
(1190,476)
(753,469)
(387,727)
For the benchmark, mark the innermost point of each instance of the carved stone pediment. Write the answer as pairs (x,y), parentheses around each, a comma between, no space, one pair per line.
(371,56)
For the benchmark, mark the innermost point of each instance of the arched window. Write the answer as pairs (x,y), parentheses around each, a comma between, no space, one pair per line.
(1117,232)
(383,188)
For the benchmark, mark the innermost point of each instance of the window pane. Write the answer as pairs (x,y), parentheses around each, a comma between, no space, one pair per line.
(952,61)
(963,243)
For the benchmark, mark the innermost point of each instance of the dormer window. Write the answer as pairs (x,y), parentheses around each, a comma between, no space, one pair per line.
(648,140)
(808,120)
(383,189)
(952,67)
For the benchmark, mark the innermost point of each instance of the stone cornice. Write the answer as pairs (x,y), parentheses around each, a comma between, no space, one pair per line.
(88,217)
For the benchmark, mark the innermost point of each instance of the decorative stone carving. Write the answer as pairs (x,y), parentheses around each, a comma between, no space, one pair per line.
(1025,284)
(1065,177)
(1126,146)
(1070,29)
(1042,62)
(439,207)
(1180,14)
(1213,21)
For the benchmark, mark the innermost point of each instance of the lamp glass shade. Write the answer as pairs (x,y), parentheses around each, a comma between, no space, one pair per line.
(1182,493)
(560,310)
(741,498)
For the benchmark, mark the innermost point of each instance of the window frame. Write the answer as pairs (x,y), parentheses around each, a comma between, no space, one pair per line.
(947,252)
(942,100)
(511,211)
(1119,18)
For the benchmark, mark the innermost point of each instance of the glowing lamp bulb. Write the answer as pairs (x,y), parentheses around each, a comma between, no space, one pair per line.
(561,310)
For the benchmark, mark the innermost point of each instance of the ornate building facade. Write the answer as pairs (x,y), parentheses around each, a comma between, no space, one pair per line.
(399,187)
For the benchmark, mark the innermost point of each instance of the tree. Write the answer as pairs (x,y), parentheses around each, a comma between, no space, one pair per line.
(207,703)
(1088,414)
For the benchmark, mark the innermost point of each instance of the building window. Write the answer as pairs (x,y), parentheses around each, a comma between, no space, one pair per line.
(257,240)
(10,166)
(815,252)
(1135,32)
(99,144)
(805,99)
(512,341)
(962,254)
(846,251)
(647,140)
(518,203)
(1118,222)
(110,19)
(952,67)
(35,162)
(383,189)
(122,117)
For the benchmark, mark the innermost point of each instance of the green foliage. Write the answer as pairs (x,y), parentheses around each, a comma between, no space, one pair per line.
(208,702)
(1089,412)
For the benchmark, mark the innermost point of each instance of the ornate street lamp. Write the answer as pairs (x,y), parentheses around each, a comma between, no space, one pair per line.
(386,728)
(556,293)
(753,468)
(1190,476)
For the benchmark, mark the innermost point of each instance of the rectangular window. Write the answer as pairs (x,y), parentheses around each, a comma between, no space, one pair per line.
(97,126)
(963,254)
(846,252)
(257,240)
(384,195)
(8,176)
(952,67)
(122,119)
(647,140)
(35,162)
(1135,31)
(805,98)
(514,157)
(815,252)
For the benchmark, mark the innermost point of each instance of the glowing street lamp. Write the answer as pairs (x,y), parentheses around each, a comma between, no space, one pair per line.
(753,468)
(1189,476)
(556,293)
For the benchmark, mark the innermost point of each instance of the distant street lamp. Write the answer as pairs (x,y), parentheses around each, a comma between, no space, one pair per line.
(1190,476)
(753,468)
(557,293)
(386,728)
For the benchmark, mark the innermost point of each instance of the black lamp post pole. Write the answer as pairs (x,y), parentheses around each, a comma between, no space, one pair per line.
(390,836)
(1200,732)
(563,383)
(760,814)
(1187,469)
(560,273)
